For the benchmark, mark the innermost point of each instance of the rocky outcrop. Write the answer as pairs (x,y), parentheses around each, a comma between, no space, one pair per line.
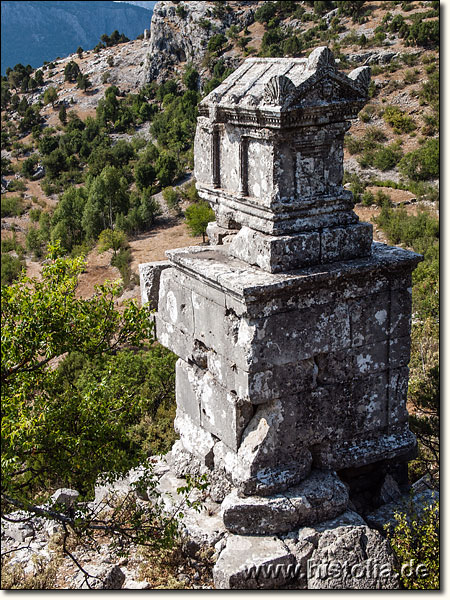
(180,33)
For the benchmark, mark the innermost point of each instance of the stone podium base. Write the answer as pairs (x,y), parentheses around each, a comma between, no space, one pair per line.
(282,373)
(317,554)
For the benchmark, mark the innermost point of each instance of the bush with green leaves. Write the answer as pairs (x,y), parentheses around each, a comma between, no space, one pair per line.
(12,206)
(415,541)
(71,71)
(423,163)
(216,43)
(172,198)
(381,157)
(265,12)
(29,166)
(398,120)
(34,242)
(11,268)
(198,215)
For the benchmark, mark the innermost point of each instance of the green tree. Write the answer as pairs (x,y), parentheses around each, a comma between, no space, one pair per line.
(50,96)
(29,165)
(83,82)
(107,198)
(39,77)
(62,114)
(190,77)
(216,42)
(423,163)
(5,95)
(198,215)
(67,218)
(144,174)
(112,240)
(265,12)
(80,52)
(67,424)
(71,71)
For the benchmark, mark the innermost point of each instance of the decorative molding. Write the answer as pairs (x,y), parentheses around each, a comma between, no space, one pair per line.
(278,90)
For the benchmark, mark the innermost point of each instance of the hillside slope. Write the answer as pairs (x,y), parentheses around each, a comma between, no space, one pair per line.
(34,32)
(401,117)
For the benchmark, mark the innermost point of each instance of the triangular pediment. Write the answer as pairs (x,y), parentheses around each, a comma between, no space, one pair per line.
(329,87)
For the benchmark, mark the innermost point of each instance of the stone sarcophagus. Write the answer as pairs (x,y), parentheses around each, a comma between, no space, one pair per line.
(269,158)
(293,335)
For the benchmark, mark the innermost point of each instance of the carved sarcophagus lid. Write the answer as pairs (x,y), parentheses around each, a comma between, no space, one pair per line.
(269,157)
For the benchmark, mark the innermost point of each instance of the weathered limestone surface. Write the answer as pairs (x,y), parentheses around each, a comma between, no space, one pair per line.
(150,274)
(321,496)
(245,562)
(321,355)
(292,329)
(352,558)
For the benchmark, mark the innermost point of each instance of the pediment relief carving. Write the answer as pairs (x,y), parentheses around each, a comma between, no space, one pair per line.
(330,88)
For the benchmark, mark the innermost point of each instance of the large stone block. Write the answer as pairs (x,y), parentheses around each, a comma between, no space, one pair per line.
(364,449)
(273,453)
(249,563)
(195,439)
(320,496)
(344,243)
(150,275)
(370,319)
(210,405)
(294,336)
(352,558)
(276,254)
(401,306)
(175,303)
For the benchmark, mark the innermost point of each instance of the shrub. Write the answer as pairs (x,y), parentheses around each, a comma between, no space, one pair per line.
(198,215)
(367,198)
(122,261)
(422,164)
(415,541)
(398,120)
(34,242)
(29,166)
(12,207)
(216,42)
(424,33)
(181,11)
(35,214)
(171,197)
(265,12)
(429,91)
(11,268)
(353,144)
(387,157)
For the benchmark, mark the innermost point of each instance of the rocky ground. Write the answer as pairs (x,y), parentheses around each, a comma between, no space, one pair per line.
(33,556)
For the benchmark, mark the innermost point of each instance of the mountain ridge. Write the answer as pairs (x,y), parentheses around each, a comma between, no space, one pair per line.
(56,28)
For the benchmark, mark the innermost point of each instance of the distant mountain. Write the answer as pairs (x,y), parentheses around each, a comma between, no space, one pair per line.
(147,5)
(33,32)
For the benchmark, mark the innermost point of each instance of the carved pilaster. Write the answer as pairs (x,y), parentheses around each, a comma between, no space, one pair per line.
(215,157)
(243,167)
